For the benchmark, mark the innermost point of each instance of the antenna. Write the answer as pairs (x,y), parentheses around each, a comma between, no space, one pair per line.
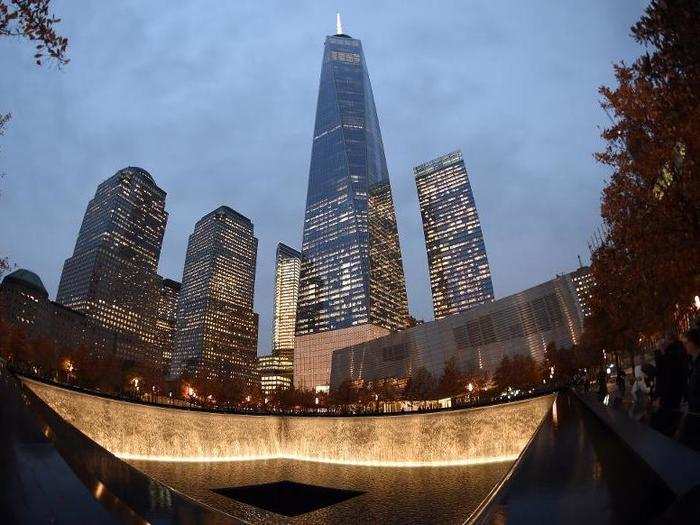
(338,25)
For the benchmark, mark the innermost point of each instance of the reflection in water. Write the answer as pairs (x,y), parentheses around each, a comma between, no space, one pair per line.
(395,495)
(462,437)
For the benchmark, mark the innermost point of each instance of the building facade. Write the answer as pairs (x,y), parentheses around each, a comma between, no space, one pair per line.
(478,338)
(583,283)
(287,271)
(25,304)
(166,316)
(111,275)
(352,271)
(460,277)
(274,372)
(217,329)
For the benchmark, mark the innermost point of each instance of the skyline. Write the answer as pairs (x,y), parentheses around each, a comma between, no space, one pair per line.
(536,261)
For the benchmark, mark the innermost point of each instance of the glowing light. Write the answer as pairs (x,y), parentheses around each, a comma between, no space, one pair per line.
(338,25)
(470,387)
(697,302)
(459,437)
(99,490)
(360,463)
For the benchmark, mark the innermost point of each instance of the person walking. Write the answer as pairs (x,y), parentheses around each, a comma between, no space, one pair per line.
(621,387)
(640,395)
(602,384)
(672,380)
(689,433)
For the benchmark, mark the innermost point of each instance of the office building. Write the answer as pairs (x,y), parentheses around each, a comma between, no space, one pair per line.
(287,270)
(352,277)
(25,306)
(478,338)
(460,277)
(583,282)
(166,314)
(111,275)
(275,372)
(217,328)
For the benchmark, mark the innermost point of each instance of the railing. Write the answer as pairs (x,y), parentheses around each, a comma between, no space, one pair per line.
(374,408)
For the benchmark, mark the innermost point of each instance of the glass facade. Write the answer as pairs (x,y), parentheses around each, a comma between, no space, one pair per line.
(287,271)
(275,372)
(217,329)
(460,277)
(168,296)
(351,273)
(583,285)
(478,338)
(25,304)
(111,275)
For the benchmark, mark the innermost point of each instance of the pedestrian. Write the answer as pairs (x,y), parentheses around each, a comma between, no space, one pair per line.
(602,384)
(621,386)
(672,381)
(640,394)
(690,428)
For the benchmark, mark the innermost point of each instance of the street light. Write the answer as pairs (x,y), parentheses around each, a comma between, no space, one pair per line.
(470,387)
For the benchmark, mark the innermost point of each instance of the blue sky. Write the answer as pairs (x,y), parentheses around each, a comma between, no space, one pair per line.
(217,100)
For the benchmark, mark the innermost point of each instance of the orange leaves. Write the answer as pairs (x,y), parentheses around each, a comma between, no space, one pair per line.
(647,267)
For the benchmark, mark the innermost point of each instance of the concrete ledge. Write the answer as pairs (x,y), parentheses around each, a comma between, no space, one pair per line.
(676,465)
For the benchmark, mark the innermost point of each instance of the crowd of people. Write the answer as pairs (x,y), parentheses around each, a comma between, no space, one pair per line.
(663,392)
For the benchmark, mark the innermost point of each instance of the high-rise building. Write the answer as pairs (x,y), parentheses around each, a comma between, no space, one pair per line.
(352,276)
(217,329)
(583,282)
(168,296)
(25,304)
(111,275)
(460,277)
(287,270)
(274,372)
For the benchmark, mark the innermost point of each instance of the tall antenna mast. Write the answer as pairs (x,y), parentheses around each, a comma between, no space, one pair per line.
(338,25)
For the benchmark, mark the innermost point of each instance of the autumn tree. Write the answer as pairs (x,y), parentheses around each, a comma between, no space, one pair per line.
(646,265)
(451,381)
(559,364)
(345,394)
(33,20)
(518,372)
(420,385)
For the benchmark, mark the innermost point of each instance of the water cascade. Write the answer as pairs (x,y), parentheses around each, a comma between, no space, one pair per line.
(455,437)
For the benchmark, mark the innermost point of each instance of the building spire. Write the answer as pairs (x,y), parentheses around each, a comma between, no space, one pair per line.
(338,25)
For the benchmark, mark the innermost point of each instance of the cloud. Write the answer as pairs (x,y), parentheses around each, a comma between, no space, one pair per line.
(217,101)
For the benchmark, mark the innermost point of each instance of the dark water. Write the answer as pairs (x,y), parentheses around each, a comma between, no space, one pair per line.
(577,472)
(389,495)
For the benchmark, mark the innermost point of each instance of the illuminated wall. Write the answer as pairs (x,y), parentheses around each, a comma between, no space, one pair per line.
(133,431)
(478,338)
(313,352)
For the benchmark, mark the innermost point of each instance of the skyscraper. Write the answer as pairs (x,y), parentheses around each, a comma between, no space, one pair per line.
(352,279)
(460,276)
(217,329)
(583,283)
(111,275)
(168,296)
(287,270)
